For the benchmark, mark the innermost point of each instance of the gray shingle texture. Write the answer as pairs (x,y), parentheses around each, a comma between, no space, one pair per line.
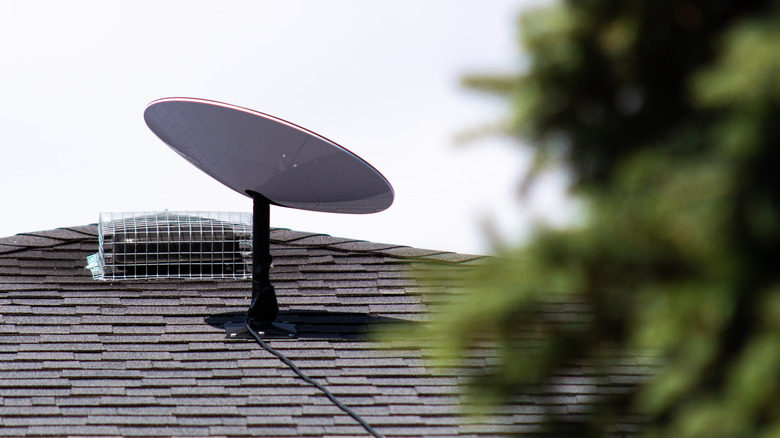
(86,358)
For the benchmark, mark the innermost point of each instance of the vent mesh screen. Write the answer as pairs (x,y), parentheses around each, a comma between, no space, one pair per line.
(173,245)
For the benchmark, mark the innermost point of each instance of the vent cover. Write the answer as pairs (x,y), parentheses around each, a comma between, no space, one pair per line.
(173,245)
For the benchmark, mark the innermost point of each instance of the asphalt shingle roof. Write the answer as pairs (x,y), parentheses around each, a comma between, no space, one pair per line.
(85,357)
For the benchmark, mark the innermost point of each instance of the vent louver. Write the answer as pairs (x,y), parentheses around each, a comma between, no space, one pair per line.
(173,245)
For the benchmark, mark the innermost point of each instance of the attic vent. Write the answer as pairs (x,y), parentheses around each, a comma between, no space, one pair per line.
(173,245)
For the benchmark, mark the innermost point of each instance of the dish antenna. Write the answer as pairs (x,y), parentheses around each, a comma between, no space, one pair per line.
(274,162)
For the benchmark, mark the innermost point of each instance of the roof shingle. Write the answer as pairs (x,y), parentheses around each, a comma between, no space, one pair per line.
(82,357)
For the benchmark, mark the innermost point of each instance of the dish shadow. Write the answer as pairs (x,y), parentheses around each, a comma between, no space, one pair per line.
(319,324)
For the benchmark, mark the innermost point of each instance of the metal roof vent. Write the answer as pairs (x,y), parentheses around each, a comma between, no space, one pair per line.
(172,244)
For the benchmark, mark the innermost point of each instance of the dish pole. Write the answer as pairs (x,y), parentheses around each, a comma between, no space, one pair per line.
(264,308)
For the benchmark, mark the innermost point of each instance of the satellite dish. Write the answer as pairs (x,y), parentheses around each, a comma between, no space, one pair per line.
(252,152)
(273,162)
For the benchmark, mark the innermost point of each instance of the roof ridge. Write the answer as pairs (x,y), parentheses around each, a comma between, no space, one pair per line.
(46,239)
(282,236)
(340,244)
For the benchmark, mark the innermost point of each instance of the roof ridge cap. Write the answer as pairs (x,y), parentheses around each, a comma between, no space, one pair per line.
(322,240)
(405,252)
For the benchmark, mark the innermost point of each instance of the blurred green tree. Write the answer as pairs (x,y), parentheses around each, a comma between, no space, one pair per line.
(666,114)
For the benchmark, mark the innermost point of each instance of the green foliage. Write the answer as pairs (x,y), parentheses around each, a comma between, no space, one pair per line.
(666,113)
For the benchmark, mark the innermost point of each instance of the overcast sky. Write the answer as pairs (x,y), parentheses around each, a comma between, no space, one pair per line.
(379,78)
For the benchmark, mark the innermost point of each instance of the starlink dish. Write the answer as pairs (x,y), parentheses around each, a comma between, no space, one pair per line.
(253,152)
(274,162)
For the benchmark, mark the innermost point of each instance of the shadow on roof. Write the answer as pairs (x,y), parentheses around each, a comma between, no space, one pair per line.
(318,324)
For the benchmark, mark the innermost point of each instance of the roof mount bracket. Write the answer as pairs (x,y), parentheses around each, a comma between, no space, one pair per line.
(273,330)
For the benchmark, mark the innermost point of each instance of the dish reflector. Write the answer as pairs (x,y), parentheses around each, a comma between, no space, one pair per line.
(249,151)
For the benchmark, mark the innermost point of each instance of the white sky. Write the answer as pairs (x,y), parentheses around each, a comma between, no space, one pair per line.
(379,78)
